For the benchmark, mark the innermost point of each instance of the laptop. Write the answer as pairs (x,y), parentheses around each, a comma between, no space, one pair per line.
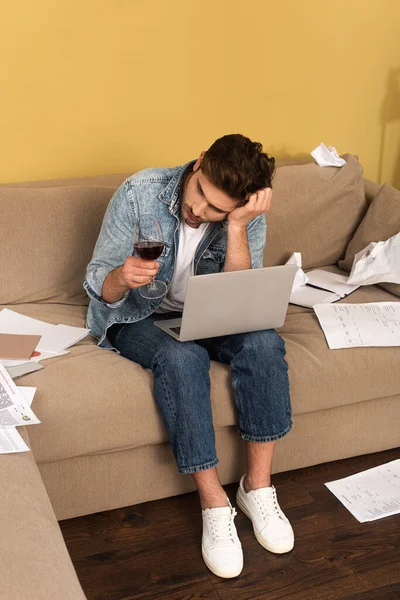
(233,302)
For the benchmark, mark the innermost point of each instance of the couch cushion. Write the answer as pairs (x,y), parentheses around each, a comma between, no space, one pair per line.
(52,233)
(94,401)
(381,222)
(393,288)
(314,211)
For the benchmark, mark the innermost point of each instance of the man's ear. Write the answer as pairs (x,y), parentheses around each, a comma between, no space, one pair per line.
(197,165)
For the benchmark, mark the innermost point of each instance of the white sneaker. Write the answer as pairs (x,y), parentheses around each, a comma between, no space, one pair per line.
(221,547)
(271,527)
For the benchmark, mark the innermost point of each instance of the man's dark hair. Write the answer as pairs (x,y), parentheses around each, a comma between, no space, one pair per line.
(238,166)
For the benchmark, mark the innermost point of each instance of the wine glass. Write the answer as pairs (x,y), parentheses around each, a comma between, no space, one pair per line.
(148,243)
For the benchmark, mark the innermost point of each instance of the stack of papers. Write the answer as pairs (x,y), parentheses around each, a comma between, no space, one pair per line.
(321,287)
(55,339)
(349,325)
(371,494)
(15,410)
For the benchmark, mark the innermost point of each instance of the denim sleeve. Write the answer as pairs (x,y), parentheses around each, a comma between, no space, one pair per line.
(113,246)
(257,236)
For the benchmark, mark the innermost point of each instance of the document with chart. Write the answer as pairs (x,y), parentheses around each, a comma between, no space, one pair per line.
(371,494)
(10,439)
(349,325)
(13,408)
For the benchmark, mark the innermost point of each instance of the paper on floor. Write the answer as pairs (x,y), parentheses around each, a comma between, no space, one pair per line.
(13,408)
(371,494)
(327,156)
(350,325)
(377,262)
(300,277)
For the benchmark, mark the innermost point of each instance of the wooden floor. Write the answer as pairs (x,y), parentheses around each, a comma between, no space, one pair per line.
(153,550)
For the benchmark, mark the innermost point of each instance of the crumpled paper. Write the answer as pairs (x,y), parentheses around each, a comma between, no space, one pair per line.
(327,156)
(378,262)
(300,277)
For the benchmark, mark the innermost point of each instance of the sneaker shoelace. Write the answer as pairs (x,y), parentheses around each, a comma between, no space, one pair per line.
(222,526)
(267,504)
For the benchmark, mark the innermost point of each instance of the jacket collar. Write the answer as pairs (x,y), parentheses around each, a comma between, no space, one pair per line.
(171,193)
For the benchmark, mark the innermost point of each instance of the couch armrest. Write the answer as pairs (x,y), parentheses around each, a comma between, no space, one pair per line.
(34,560)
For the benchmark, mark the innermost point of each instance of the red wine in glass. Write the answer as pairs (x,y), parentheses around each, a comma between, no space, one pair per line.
(149,250)
(148,244)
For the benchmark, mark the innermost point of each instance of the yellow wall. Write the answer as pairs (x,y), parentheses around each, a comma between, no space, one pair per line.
(93,86)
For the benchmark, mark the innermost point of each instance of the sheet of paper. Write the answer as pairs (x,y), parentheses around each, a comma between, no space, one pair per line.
(27,392)
(11,441)
(62,337)
(379,261)
(327,156)
(332,282)
(41,356)
(371,494)
(349,325)
(55,338)
(300,277)
(18,371)
(13,408)
(308,296)
(14,322)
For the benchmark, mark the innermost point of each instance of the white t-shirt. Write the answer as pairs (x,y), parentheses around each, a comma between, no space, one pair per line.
(189,239)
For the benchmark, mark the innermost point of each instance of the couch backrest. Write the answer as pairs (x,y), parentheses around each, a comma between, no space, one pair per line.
(47,239)
(315,210)
(49,228)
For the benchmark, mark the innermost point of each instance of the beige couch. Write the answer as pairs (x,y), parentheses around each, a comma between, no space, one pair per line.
(101,443)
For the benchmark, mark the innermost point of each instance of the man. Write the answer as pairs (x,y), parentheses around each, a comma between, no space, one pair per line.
(212,212)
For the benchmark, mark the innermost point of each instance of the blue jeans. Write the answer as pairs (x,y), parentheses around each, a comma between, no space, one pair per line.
(182,385)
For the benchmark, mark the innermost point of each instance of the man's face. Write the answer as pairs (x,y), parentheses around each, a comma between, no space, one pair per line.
(202,202)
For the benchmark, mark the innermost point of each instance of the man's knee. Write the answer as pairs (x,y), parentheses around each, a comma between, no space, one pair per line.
(266,341)
(181,356)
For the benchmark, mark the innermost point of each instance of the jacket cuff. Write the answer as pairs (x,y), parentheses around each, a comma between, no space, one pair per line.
(93,286)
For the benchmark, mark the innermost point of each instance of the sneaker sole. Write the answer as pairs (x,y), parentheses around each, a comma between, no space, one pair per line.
(213,569)
(275,548)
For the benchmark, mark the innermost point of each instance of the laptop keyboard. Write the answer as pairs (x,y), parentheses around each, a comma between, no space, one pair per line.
(176,330)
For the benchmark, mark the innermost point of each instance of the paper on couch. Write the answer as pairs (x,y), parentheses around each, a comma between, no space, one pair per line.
(350,325)
(55,338)
(36,359)
(13,408)
(331,282)
(300,278)
(327,156)
(10,440)
(377,262)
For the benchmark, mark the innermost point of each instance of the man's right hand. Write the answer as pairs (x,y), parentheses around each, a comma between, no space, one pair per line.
(136,272)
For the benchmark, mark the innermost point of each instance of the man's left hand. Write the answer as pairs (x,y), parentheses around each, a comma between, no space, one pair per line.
(257,204)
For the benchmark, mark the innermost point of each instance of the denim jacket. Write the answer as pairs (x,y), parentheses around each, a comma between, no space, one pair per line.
(157,192)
